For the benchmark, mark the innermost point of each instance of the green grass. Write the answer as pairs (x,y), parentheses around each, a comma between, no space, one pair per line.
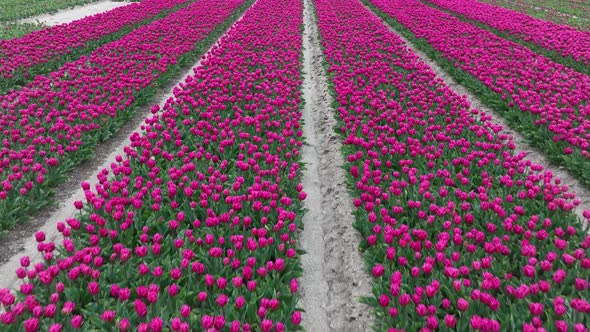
(566,7)
(11,10)
(10,30)
(573,13)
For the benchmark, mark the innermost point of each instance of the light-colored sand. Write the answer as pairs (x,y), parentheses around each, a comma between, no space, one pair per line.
(75,13)
(334,276)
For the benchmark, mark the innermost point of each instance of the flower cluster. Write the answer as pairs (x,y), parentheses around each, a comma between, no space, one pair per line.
(18,56)
(548,102)
(566,40)
(194,229)
(459,230)
(54,122)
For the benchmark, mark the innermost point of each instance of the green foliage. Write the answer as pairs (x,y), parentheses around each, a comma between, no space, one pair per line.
(571,13)
(523,122)
(551,54)
(41,196)
(21,77)
(11,10)
(10,30)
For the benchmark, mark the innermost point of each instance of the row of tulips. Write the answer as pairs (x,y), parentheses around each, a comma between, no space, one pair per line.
(194,229)
(562,43)
(460,232)
(569,42)
(54,122)
(44,51)
(546,102)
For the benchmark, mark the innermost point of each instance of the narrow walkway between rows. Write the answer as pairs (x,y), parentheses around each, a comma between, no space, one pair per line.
(334,277)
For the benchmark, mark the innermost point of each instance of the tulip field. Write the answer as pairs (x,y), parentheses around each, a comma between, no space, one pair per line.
(55,121)
(561,43)
(197,225)
(44,51)
(547,101)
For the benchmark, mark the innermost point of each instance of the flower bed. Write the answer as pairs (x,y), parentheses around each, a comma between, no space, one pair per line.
(194,229)
(546,102)
(460,232)
(563,44)
(43,51)
(54,122)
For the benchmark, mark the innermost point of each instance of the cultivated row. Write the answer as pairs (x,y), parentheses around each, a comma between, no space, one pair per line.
(21,59)
(460,231)
(564,40)
(195,228)
(547,102)
(55,122)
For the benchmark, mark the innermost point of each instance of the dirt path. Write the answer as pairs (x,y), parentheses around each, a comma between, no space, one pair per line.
(75,13)
(533,154)
(21,242)
(333,270)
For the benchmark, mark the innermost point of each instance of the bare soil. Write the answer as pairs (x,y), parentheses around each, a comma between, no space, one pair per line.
(75,13)
(334,275)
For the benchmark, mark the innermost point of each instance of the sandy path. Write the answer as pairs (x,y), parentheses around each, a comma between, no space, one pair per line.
(21,242)
(533,154)
(75,13)
(333,270)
